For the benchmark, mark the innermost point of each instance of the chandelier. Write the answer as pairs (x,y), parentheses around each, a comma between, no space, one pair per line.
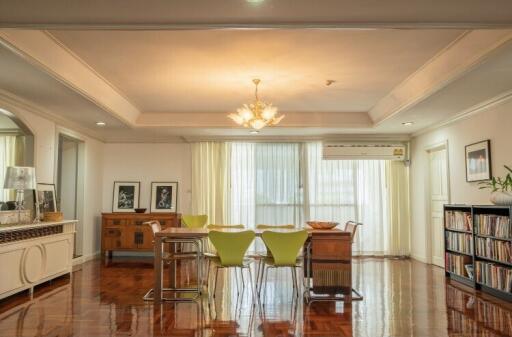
(256,115)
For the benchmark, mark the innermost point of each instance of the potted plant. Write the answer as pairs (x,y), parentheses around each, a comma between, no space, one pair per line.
(501,188)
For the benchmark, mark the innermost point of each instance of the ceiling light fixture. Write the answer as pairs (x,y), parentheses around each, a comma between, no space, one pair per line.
(254,132)
(256,115)
(407,123)
(101,123)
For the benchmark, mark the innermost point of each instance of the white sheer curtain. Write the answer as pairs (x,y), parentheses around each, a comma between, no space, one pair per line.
(265,184)
(343,190)
(210,180)
(7,158)
(289,183)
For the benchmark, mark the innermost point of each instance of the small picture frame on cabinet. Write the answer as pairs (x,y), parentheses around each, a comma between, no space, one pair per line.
(164,197)
(126,196)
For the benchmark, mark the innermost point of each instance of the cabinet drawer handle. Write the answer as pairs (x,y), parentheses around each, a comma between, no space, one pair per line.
(139,223)
(116,222)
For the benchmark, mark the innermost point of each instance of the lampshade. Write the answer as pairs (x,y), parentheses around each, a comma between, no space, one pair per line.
(20,178)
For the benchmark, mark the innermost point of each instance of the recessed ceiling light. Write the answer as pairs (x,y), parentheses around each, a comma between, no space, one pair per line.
(254,132)
(101,123)
(407,123)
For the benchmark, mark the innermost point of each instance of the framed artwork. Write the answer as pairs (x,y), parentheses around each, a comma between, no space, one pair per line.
(126,196)
(164,197)
(45,198)
(478,161)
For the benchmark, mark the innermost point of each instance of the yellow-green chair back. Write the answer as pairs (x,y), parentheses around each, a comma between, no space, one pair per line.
(194,221)
(284,246)
(225,226)
(231,246)
(262,226)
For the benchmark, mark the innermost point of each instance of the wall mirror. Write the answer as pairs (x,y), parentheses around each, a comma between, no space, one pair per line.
(16,149)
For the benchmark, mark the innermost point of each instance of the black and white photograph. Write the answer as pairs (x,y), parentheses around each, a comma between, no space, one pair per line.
(478,161)
(126,196)
(45,198)
(164,196)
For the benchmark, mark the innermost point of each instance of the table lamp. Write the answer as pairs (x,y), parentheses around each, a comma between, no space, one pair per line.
(20,179)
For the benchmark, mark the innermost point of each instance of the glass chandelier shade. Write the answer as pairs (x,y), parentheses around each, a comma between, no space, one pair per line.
(256,115)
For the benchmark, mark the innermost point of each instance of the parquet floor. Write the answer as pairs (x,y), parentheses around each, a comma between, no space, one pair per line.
(401,298)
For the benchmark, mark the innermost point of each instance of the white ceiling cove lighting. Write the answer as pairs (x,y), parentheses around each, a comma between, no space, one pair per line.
(256,115)
(100,123)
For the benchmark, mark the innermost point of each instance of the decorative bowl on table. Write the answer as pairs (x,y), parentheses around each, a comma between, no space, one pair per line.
(322,224)
(140,210)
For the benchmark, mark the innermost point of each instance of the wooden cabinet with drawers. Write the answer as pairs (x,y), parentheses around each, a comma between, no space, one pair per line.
(126,232)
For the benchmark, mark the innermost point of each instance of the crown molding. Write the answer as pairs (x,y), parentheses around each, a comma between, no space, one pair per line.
(475,109)
(461,56)
(45,52)
(12,102)
(299,139)
(292,120)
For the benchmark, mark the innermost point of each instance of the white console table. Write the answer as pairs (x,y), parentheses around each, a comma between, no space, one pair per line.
(34,253)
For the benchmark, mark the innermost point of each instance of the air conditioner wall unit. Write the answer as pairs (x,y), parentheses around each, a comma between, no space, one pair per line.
(362,151)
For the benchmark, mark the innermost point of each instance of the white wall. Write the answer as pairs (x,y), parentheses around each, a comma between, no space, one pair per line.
(45,150)
(147,163)
(495,124)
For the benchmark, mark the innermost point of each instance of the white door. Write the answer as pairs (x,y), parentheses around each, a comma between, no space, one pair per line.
(438,197)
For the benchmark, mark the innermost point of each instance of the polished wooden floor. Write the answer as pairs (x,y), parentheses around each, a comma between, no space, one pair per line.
(401,298)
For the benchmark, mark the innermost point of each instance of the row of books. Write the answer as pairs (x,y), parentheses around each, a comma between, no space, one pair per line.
(459,242)
(494,276)
(493,225)
(494,249)
(458,220)
(459,264)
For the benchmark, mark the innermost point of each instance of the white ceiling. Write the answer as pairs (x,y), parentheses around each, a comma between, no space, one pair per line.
(180,84)
(33,85)
(211,70)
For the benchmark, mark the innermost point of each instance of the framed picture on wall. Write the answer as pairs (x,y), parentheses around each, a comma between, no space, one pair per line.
(126,196)
(478,161)
(45,198)
(164,197)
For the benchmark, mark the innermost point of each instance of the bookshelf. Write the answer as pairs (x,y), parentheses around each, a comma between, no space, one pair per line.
(478,247)
(459,242)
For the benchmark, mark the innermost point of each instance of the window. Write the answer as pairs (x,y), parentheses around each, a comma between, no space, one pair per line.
(289,183)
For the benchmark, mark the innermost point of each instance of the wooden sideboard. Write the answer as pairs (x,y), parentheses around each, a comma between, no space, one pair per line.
(126,232)
(31,254)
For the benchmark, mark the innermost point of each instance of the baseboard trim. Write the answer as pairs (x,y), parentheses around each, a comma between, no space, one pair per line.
(85,258)
(422,259)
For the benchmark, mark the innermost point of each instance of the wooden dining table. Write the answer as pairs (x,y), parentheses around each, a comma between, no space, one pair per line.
(331,248)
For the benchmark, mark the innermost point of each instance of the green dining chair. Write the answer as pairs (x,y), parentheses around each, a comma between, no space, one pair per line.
(231,248)
(285,249)
(259,255)
(194,221)
(210,252)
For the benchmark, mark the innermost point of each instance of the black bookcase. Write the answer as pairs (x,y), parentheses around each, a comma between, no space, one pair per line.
(473,258)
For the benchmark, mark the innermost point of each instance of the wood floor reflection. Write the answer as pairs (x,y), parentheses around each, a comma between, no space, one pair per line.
(402,298)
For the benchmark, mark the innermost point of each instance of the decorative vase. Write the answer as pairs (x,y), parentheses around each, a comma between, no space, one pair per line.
(501,198)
